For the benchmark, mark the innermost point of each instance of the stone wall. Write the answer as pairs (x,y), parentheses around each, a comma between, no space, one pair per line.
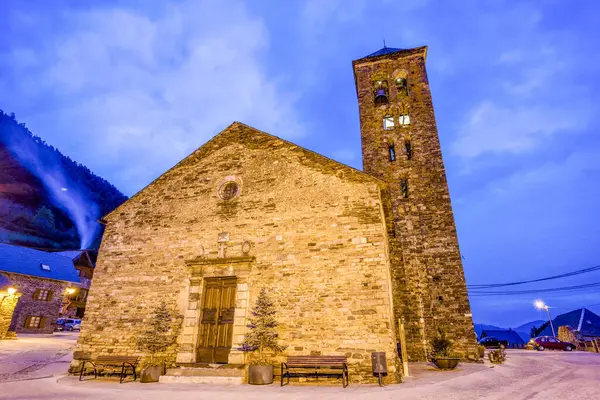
(429,285)
(8,302)
(28,306)
(309,230)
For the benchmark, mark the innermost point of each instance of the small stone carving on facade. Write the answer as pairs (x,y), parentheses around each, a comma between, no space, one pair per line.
(246,246)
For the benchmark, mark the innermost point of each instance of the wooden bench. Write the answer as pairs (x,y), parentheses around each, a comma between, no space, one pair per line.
(329,366)
(125,362)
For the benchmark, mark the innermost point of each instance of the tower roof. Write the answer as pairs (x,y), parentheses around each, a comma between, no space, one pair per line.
(384,50)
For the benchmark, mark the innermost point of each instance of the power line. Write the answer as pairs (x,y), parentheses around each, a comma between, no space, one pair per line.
(513,292)
(568,274)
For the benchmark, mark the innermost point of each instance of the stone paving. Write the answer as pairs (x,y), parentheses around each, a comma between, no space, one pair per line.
(525,375)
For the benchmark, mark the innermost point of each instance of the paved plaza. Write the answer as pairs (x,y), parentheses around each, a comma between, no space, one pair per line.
(34,367)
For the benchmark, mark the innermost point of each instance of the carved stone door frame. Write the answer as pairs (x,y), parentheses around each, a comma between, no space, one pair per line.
(202,269)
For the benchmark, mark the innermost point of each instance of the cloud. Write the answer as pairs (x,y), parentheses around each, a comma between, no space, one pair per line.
(344,155)
(491,128)
(142,88)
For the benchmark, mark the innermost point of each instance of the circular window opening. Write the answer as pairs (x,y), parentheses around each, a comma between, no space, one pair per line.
(229,190)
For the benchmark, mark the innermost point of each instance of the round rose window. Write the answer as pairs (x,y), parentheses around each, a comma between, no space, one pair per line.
(229,190)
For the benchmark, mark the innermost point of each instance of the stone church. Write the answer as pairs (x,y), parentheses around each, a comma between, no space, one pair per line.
(347,256)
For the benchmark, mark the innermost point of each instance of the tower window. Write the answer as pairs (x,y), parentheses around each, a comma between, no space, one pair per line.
(404,119)
(404,188)
(401,86)
(388,122)
(380,92)
(408,149)
(392,153)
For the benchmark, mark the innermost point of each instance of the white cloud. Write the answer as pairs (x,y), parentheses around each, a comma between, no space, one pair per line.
(344,155)
(142,89)
(490,128)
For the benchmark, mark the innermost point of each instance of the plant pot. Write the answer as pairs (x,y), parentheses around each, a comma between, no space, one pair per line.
(446,362)
(260,374)
(151,373)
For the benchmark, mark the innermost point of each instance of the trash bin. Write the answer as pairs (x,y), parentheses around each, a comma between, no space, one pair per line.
(379,364)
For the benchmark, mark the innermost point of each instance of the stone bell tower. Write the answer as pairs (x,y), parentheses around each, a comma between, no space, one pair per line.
(400,145)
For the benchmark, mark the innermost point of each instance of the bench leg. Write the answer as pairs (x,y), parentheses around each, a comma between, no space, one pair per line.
(122,371)
(134,374)
(81,372)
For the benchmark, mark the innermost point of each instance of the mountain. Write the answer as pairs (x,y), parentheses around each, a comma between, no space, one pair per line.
(527,327)
(48,200)
(481,327)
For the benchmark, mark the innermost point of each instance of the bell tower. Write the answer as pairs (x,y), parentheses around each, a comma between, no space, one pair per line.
(400,145)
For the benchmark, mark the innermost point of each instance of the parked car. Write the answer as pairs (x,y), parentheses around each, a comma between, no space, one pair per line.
(549,342)
(493,343)
(68,324)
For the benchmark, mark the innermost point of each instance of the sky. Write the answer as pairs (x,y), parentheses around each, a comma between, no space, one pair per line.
(129,88)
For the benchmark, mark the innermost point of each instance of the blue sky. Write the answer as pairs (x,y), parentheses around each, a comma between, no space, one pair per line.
(131,87)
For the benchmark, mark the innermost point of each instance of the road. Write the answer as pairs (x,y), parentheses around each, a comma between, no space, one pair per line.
(525,375)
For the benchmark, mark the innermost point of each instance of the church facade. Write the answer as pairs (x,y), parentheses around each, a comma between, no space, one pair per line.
(346,256)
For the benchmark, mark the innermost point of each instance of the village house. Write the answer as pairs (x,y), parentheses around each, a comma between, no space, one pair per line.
(347,256)
(42,280)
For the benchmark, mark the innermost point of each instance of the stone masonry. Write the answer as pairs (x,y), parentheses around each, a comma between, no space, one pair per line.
(8,302)
(427,274)
(28,306)
(310,230)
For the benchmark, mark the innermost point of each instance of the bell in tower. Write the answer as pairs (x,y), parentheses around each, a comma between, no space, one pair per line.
(381,93)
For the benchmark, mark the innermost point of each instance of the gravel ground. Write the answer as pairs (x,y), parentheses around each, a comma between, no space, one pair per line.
(525,375)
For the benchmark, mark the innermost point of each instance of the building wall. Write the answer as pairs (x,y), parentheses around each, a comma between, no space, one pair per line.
(307,229)
(429,285)
(28,306)
(8,303)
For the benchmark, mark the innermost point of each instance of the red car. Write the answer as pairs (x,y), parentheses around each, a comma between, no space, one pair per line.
(549,342)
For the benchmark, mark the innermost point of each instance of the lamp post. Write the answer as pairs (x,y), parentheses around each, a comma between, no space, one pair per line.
(540,305)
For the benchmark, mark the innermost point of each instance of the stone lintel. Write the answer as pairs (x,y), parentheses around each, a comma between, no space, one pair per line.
(219,260)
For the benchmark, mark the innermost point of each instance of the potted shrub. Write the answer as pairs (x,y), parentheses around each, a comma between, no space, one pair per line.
(155,340)
(441,356)
(260,342)
(481,351)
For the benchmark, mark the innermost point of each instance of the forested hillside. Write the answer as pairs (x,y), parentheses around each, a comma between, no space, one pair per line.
(47,199)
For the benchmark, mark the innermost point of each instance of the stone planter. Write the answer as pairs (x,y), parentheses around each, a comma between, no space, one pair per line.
(152,373)
(260,374)
(446,362)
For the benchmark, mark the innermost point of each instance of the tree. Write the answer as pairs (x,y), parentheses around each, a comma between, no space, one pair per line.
(262,335)
(44,219)
(535,332)
(158,336)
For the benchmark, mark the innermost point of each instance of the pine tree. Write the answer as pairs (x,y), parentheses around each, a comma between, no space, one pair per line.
(262,335)
(157,336)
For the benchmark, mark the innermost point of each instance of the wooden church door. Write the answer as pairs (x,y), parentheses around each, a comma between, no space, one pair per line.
(216,327)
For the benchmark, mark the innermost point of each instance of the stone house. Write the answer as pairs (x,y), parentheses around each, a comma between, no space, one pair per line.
(84,262)
(347,256)
(41,278)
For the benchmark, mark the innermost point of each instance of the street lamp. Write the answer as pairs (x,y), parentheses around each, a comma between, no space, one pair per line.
(540,305)
(11,290)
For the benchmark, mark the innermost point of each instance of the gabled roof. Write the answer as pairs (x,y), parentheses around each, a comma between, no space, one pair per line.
(253,138)
(77,255)
(26,261)
(503,334)
(582,320)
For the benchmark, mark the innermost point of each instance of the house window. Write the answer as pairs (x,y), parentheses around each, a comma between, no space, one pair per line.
(45,267)
(392,153)
(404,188)
(404,119)
(380,92)
(408,149)
(35,322)
(388,122)
(401,86)
(43,294)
